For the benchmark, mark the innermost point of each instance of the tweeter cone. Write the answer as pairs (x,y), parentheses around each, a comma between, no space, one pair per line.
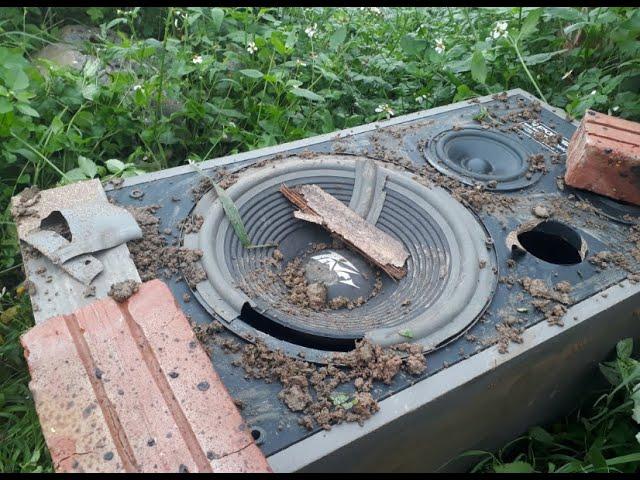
(474,155)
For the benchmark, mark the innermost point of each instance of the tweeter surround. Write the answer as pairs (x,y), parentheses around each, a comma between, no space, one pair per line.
(475,155)
(443,293)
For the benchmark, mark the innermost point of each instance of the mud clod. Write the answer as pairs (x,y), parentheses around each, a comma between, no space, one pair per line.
(121,291)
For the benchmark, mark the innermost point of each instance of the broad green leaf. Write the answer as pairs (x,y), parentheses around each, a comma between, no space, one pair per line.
(541,57)
(292,38)
(5,105)
(27,110)
(338,37)
(87,166)
(530,23)
(16,79)
(541,435)
(217,15)
(413,45)
(114,165)
(624,348)
(478,67)
(308,94)
(252,73)
(514,467)
(75,174)
(89,91)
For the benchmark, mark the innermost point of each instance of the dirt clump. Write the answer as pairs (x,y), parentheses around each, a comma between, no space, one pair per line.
(121,291)
(151,255)
(28,198)
(552,302)
(317,295)
(330,394)
(191,224)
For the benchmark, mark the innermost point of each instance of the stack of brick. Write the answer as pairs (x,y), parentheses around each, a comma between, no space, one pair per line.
(604,157)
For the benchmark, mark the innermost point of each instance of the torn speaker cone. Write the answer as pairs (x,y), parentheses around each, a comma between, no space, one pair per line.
(252,291)
(475,155)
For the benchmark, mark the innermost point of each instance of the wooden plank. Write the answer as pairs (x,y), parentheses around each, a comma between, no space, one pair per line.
(56,292)
(378,247)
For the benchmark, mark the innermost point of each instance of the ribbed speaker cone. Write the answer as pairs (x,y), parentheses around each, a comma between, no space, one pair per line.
(442,294)
(475,155)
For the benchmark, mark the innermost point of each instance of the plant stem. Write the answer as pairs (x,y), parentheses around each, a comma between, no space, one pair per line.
(49,162)
(526,70)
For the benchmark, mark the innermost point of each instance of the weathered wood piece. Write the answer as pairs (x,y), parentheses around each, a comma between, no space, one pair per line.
(373,244)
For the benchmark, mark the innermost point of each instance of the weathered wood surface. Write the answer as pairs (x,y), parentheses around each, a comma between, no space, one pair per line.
(55,292)
(380,248)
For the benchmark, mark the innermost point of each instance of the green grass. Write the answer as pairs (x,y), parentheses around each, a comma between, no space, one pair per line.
(198,83)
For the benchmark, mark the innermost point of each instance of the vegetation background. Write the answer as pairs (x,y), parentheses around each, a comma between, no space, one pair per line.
(153,87)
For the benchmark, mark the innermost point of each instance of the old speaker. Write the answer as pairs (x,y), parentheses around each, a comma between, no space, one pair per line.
(474,192)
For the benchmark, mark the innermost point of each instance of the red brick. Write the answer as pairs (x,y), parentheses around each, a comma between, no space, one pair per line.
(604,157)
(106,401)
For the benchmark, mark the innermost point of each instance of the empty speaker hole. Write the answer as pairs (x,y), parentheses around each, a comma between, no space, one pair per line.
(553,242)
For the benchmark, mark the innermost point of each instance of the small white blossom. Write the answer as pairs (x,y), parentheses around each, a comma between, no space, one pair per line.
(500,30)
(137,87)
(440,48)
(421,98)
(593,92)
(311,31)
(252,48)
(616,108)
(386,109)
(197,59)
(300,63)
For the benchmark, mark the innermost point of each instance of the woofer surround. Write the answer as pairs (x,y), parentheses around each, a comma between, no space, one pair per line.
(443,293)
(475,155)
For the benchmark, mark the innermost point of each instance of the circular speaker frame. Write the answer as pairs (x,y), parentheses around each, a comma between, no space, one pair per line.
(443,294)
(475,155)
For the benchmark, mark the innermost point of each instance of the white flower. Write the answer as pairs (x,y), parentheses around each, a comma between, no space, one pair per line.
(440,48)
(593,92)
(197,59)
(386,109)
(252,48)
(500,30)
(421,98)
(616,108)
(300,63)
(137,87)
(311,31)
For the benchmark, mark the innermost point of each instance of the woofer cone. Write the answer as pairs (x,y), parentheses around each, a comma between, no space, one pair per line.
(443,293)
(475,155)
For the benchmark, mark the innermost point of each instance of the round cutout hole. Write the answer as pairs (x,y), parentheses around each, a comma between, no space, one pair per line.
(553,242)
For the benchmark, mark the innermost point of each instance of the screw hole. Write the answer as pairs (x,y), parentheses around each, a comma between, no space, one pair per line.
(258,434)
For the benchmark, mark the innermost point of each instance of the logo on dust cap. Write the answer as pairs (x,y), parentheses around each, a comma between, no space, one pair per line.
(342,267)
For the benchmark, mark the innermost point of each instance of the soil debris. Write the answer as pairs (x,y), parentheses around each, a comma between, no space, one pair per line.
(121,291)
(152,256)
(328,395)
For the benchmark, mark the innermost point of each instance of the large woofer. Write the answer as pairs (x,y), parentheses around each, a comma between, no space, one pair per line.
(451,271)
(475,155)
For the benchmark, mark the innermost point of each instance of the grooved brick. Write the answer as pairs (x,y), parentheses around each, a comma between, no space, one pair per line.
(127,387)
(604,157)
